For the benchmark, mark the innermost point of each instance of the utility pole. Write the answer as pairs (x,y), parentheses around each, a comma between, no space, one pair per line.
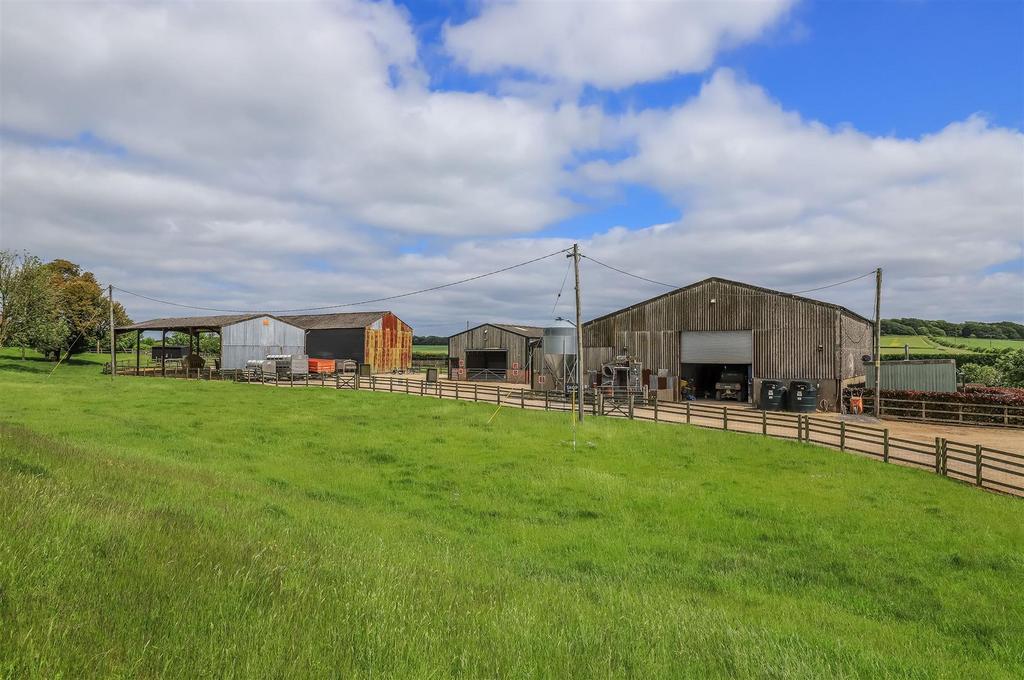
(579,332)
(113,344)
(878,343)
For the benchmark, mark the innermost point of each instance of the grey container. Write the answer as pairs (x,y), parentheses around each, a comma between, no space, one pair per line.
(772,395)
(802,396)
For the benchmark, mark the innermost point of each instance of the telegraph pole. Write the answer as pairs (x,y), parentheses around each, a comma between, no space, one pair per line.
(113,344)
(878,343)
(579,331)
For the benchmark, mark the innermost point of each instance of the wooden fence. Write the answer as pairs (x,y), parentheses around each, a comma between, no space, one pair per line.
(983,466)
(949,412)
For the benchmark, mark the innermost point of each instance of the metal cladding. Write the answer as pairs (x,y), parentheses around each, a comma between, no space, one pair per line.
(791,337)
(258,337)
(559,340)
(924,375)
(388,344)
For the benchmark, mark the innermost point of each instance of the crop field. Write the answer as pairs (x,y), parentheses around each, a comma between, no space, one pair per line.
(195,529)
(893,344)
(439,351)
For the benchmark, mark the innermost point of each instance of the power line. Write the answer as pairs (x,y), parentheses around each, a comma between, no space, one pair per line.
(623,271)
(345,304)
(568,268)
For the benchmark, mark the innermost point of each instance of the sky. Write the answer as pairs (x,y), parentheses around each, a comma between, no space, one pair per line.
(265,156)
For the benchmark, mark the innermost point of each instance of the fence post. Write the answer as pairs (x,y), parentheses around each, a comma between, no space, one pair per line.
(764,423)
(977,464)
(687,412)
(885,445)
(938,455)
(545,400)
(945,455)
(629,398)
(437,386)
(499,396)
(655,408)
(842,436)
(291,379)
(923,409)
(456,389)
(799,427)
(475,397)
(522,398)
(725,418)
(1006,415)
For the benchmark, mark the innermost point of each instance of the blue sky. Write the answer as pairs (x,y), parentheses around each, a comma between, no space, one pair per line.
(246,155)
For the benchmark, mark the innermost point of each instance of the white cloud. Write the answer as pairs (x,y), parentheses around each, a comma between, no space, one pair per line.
(316,102)
(266,159)
(607,44)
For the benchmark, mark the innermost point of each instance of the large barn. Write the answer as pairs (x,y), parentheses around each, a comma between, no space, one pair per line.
(714,326)
(380,339)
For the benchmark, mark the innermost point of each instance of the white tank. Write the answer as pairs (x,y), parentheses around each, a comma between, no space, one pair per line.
(559,340)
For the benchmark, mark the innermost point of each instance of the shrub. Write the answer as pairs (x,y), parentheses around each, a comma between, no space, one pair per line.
(1011,368)
(983,375)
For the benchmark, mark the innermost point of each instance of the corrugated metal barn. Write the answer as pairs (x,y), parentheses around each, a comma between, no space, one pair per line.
(495,351)
(700,331)
(380,339)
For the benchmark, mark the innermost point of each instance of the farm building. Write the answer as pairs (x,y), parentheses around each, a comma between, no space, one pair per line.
(924,375)
(716,326)
(494,351)
(242,336)
(380,339)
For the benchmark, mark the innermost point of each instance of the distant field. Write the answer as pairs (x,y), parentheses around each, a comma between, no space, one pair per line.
(430,350)
(893,344)
(193,529)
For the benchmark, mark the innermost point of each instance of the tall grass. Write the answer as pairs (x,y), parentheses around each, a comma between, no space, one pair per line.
(170,528)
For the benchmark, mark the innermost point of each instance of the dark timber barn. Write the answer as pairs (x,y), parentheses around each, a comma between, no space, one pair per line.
(380,339)
(714,325)
(494,351)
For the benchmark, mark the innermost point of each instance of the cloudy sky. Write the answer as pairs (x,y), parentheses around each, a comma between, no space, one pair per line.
(283,155)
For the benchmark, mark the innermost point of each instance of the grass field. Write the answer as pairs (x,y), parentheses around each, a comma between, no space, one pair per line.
(439,351)
(191,529)
(893,344)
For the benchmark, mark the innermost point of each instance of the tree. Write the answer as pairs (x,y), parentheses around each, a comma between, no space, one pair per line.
(83,306)
(1011,368)
(29,315)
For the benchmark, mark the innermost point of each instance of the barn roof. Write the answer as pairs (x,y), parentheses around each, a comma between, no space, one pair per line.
(337,320)
(183,323)
(756,289)
(517,329)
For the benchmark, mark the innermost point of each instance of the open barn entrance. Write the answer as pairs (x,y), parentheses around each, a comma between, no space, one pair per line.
(725,382)
(486,364)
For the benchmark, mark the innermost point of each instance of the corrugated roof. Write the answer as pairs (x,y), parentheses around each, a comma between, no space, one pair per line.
(338,320)
(525,331)
(186,322)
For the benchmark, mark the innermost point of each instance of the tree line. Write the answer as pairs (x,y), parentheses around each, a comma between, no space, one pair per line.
(55,308)
(998,330)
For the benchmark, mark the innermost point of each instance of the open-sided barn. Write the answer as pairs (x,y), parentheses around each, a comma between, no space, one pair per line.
(715,325)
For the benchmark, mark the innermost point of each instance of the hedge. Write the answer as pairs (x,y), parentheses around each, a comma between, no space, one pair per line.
(950,405)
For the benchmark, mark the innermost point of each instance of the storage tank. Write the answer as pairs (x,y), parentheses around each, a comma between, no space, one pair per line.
(558,366)
(802,396)
(773,395)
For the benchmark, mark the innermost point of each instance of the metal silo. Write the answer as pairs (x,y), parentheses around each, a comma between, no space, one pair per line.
(560,355)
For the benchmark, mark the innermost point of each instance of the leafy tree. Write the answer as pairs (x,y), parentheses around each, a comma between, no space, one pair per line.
(28,308)
(83,307)
(894,327)
(982,375)
(1011,368)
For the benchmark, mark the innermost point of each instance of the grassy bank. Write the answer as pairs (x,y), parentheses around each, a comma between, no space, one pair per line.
(158,527)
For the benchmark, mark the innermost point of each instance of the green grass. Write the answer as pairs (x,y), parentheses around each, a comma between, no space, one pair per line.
(169,528)
(439,351)
(893,344)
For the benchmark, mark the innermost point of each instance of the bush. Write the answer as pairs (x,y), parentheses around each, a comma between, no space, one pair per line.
(983,375)
(1011,368)
(975,403)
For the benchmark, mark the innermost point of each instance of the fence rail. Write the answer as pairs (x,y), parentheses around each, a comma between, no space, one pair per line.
(948,412)
(982,466)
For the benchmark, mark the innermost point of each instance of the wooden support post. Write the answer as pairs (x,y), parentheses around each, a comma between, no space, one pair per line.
(799,427)
(655,408)
(945,454)
(499,396)
(545,400)
(764,422)
(687,412)
(629,410)
(938,455)
(885,445)
(522,398)
(725,418)
(977,464)
(475,396)
(291,379)
(456,390)
(842,436)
